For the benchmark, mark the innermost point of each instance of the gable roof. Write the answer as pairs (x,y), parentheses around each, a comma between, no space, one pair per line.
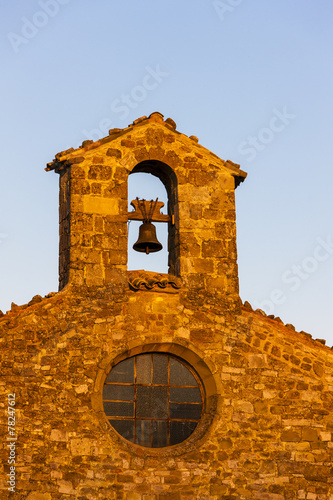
(71,156)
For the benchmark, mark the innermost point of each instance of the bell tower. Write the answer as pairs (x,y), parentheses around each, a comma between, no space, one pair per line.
(201,208)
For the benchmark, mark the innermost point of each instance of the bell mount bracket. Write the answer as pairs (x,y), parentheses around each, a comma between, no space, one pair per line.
(153,208)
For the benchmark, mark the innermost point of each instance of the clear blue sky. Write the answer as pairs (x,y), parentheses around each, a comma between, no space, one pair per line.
(252,79)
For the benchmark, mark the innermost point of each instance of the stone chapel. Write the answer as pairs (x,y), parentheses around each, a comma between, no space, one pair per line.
(139,385)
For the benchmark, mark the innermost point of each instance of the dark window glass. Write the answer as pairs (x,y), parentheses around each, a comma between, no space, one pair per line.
(154,399)
(123,372)
(185,411)
(143,433)
(118,392)
(160,433)
(124,427)
(152,402)
(160,369)
(113,409)
(185,394)
(143,369)
(180,375)
(179,431)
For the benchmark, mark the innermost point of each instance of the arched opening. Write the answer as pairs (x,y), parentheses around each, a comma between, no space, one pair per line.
(150,180)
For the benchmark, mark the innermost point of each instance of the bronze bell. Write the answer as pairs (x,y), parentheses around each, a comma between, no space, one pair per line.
(147,241)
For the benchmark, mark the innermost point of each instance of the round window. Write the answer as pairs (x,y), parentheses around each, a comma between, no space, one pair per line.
(153,400)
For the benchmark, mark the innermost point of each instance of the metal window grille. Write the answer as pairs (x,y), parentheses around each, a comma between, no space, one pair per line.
(153,400)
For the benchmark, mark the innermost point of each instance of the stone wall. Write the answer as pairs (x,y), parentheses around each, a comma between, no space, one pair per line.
(266,428)
(268,434)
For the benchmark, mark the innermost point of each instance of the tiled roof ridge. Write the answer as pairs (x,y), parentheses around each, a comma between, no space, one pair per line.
(247,306)
(63,158)
(36,299)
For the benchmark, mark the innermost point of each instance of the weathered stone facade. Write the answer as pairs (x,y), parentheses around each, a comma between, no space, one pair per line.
(266,429)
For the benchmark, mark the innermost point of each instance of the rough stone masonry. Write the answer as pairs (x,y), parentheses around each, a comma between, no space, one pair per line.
(267,419)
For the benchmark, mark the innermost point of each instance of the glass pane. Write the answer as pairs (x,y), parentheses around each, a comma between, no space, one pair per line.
(160,369)
(143,369)
(185,411)
(143,433)
(119,392)
(118,409)
(160,434)
(125,428)
(152,402)
(179,431)
(185,394)
(180,375)
(122,372)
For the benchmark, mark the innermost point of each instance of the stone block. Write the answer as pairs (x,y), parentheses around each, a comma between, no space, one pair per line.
(66,487)
(100,205)
(243,406)
(170,496)
(225,444)
(214,249)
(99,173)
(125,478)
(80,446)
(219,489)
(114,152)
(39,496)
(205,266)
(80,187)
(318,368)
(94,275)
(257,360)
(96,188)
(59,435)
(290,435)
(325,436)
(309,434)
(198,335)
